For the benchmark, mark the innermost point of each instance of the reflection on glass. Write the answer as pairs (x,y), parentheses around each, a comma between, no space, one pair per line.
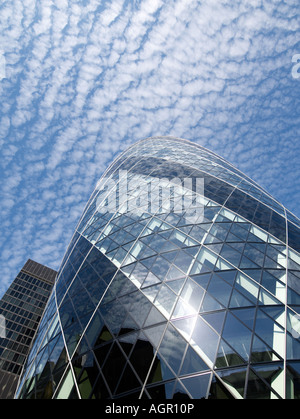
(154,304)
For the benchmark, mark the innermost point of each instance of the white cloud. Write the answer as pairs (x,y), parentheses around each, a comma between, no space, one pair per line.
(84,80)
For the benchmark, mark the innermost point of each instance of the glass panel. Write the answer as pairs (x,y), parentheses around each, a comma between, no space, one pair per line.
(169,255)
(221,265)
(227,357)
(247,264)
(192,363)
(101,353)
(119,256)
(155,334)
(271,264)
(246,315)
(180,393)
(176,285)
(165,301)
(277,313)
(88,376)
(159,371)
(228,276)
(113,314)
(259,233)
(42,369)
(206,258)
(294,283)
(238,300)
(205,341)
(72,336)
(185,326)
(129,325)
(293,380)
(202,279)
(215,247)
(210,304)
(148,262)
(261,352)
(293,323)
(172,348)
(198,233)
(154,317)
(238,246)
(120,285)
(160,267)
(218,391)
(258,389)
(100,390)
(215,320)
(192,294)
(58,356)
(231,238)
(113,366)
(276,255)
(238,336)
(67,313)
(231,255)
(228,214)
(275,287)
(137,249)
(265,298)
(127,269)
(94,329)
(141,357)
(292,348)
(174,273)
(183,261)
(270,332)
(183,309)
(293,256)
(234,380)
(177,238)
(254,254)
(219,232)
(151,279)
(66,387)
(127,341)
(197,386)
(129,381)
(240,230)
(247,287)
(151,292)
(219,289)
(161,391)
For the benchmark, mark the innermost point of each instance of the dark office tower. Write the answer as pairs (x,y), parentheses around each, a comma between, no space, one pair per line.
(181,281)
(21,309)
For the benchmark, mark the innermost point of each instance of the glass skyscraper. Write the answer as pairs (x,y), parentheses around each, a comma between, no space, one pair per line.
(21,309)
(182,280)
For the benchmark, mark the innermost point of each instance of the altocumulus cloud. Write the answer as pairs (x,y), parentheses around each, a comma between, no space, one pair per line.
(85,79)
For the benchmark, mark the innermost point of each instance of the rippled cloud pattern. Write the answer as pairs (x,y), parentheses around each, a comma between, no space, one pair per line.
(82,80)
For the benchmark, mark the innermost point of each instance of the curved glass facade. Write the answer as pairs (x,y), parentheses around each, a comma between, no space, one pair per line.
(182,280)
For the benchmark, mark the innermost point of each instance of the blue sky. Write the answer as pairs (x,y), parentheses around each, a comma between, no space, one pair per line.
(82,80)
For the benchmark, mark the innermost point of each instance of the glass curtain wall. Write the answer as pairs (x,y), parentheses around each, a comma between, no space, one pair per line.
(181,282)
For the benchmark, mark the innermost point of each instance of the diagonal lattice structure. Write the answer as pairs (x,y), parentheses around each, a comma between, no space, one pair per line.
(169,291)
